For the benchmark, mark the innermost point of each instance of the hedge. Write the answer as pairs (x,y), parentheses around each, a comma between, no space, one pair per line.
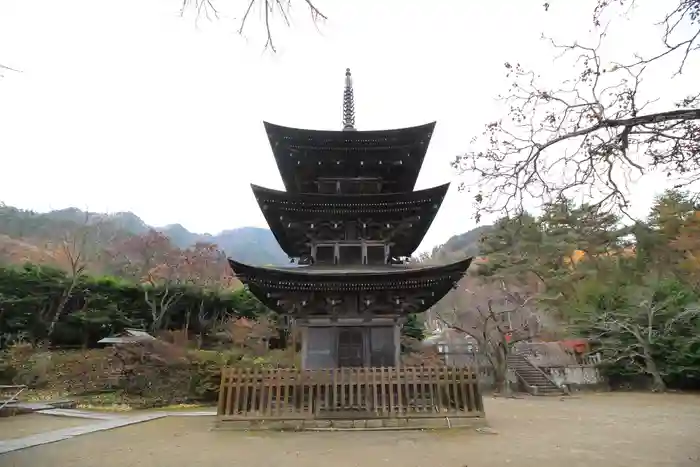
(101,306)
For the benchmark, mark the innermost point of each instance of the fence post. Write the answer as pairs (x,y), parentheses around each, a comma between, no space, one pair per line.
(222,392)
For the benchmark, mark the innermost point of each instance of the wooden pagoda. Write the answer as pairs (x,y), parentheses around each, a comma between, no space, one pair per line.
(350,219)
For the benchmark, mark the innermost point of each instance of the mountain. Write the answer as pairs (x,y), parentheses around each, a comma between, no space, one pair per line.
(24,234)
(457,247)
(28,230)
(251,245)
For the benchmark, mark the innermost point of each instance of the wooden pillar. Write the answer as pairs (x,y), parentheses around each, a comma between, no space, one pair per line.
(367,346)
(293,330)
(397,345)
(304,346)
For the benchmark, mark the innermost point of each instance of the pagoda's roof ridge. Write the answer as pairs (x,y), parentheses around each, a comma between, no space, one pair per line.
(351,135)
(382,272)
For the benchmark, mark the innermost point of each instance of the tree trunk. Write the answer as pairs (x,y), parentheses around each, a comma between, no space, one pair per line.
(155,316)
(86,337)
(188,317)
(59,309)
(657,382)
(502,382)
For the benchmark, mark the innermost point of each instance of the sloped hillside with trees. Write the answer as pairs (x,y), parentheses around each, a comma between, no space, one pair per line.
(456,248)
(632,290)
(37,237)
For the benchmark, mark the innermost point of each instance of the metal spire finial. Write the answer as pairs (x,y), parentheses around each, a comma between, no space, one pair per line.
(348,103)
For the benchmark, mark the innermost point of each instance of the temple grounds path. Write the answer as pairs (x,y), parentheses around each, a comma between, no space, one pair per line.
(32,424)
(605,430)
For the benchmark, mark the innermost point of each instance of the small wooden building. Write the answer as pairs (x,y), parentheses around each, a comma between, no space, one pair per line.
(128,336)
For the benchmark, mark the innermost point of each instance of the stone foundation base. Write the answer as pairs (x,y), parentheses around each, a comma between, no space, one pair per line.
(19,408)
(348,425)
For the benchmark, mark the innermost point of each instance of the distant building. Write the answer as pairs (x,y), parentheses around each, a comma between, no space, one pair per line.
(128,336)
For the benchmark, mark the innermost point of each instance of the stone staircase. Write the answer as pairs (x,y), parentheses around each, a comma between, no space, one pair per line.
(535,380)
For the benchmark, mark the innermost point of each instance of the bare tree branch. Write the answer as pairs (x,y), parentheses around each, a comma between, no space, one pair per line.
(592,133)
(3,67)
(74,251)
(268,9)
(494,314)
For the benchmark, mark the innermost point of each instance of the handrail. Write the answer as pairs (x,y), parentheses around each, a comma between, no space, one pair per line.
(13,398)
(522,378)
(546,376)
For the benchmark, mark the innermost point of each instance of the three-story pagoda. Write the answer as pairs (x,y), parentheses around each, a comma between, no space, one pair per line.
(350,218)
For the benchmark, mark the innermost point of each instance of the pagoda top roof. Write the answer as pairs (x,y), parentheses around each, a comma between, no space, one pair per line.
(360,139)
(304,155)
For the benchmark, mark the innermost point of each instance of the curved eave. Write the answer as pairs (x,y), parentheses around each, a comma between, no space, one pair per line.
(304,277)
(300,205)
(438,280)
(321,138)
(286,140)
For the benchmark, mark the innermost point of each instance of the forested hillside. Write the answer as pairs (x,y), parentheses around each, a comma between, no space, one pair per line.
(71,278)
(26,235)
(457,247)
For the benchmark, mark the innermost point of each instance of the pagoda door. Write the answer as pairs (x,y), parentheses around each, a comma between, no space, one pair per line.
(350,347)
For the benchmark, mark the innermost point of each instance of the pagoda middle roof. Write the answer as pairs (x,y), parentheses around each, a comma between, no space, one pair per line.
(280,207)
(396,155)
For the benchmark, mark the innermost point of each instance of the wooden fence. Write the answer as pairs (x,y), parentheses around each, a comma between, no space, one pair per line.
(349,393)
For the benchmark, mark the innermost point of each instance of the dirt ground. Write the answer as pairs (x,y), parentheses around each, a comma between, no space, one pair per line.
(32,424)
(610,430)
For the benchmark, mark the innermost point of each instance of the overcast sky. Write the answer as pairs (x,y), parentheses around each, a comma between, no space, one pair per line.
(126,106)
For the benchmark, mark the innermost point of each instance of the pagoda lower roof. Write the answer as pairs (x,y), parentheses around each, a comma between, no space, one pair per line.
(428,283)
(396,155)
(282,210)
(341,278)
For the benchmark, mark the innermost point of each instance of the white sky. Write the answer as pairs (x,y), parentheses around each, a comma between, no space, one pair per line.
(126,106)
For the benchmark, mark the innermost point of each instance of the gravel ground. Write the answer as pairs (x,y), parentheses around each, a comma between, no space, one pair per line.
(610,430)
(31,424)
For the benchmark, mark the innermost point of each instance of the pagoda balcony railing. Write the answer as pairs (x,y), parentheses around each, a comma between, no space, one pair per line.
(373,395)
(366,252)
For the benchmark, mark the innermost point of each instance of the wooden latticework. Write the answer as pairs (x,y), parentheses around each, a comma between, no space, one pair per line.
(349,394)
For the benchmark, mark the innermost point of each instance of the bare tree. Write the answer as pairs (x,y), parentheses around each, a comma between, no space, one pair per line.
(162,290)
(497,316)
(77,247)
(3,68)
(161,267)
(136,255)
(206,320)
(595,129)
(250,335)
(268,9)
